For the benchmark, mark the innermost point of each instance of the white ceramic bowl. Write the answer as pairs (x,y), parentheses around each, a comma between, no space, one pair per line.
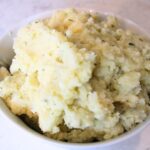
(6,55)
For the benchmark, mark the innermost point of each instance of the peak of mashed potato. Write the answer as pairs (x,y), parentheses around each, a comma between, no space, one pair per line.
(55,70)
(77,70)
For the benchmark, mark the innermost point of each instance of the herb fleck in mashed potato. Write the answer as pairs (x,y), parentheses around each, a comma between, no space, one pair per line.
(84,78)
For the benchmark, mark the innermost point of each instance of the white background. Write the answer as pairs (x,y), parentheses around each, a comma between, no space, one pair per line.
(14,11)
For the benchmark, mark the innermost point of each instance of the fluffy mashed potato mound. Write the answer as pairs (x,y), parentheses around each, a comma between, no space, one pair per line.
(83,77)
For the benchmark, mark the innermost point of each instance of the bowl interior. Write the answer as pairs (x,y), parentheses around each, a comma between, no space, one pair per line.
(7,53)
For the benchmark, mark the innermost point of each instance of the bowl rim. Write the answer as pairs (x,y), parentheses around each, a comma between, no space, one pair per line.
(9,116)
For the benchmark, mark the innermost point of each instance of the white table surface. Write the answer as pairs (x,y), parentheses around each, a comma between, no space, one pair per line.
(14,11)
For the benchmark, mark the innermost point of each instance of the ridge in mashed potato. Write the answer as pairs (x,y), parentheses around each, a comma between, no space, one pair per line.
(83,77)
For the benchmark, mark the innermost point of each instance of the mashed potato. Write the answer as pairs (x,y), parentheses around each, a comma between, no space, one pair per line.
(84,77)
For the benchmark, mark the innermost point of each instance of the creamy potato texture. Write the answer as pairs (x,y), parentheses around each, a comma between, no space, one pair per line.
(84,77)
